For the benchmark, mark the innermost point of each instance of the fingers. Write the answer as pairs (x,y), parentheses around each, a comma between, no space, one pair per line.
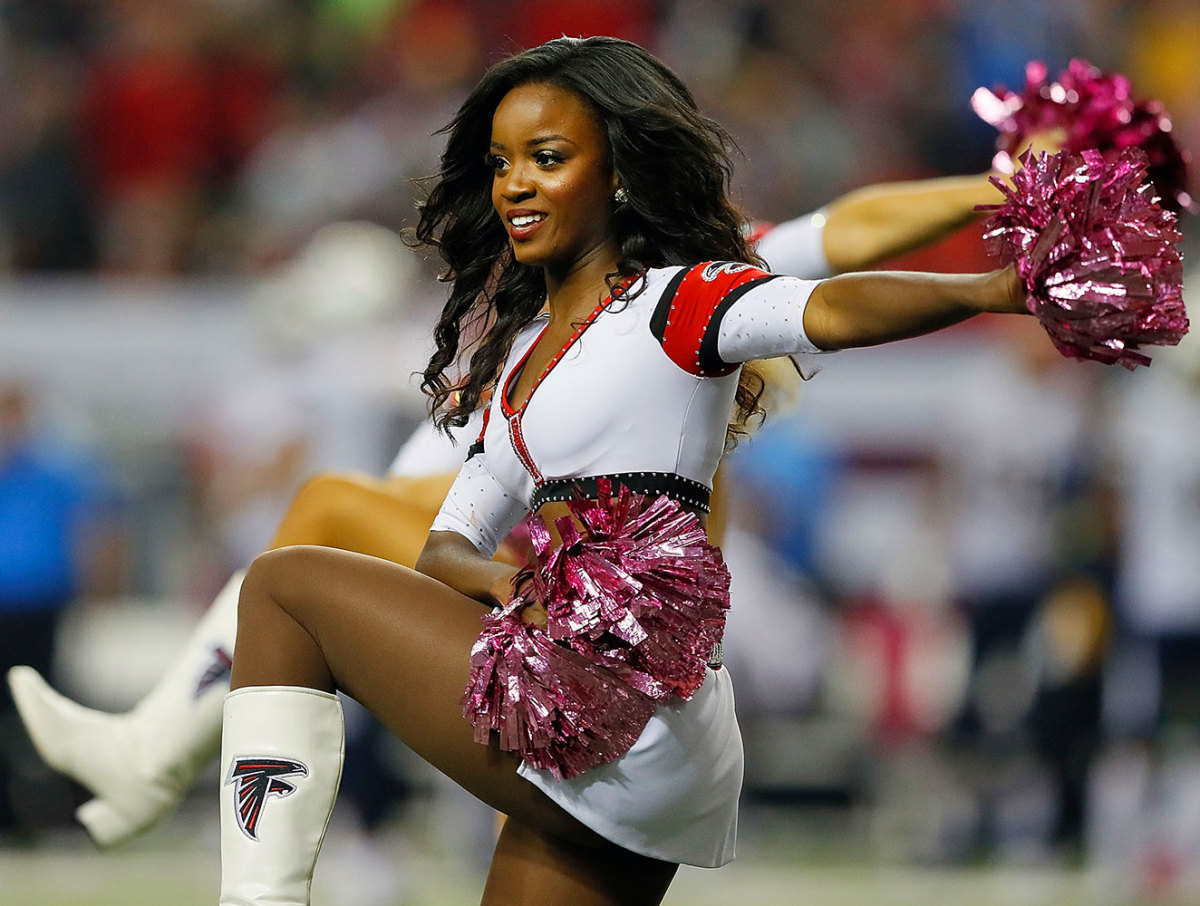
(534,614)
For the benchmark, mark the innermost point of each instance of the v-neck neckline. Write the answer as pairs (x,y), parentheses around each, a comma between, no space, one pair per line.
(505,405)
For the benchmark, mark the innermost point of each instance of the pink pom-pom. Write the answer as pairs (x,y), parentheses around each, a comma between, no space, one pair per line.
(644,585)
(557,708)
(635,600)
(1098,254)
(1092,110)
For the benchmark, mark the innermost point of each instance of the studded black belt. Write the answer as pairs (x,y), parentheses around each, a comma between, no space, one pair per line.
(685,490)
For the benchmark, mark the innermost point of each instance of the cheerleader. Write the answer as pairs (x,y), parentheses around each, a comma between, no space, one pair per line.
(139,765)
(582,211)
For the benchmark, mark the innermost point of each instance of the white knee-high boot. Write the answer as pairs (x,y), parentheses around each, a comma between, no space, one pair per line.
(139,764)
(281,764)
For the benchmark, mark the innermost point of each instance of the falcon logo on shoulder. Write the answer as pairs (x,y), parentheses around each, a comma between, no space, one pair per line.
(256,779)
(715,269)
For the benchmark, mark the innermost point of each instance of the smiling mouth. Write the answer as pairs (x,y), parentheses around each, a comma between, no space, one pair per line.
(526,220)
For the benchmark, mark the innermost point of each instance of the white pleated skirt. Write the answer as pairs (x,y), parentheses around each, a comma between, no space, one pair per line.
(674,795)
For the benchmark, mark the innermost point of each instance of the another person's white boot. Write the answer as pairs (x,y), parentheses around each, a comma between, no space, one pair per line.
(138,765)
(281,764)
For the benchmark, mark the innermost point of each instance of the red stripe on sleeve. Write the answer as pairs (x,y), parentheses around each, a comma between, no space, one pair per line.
(693,306)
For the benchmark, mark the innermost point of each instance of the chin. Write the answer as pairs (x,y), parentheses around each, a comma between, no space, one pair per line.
(529,257)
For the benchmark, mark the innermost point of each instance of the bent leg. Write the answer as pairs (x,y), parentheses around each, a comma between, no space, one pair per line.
(388,519)
(396,641)
(538,869)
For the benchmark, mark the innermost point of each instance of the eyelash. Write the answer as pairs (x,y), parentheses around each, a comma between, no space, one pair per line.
(543,158)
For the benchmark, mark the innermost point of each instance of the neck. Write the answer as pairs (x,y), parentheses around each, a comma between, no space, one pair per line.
(573,293)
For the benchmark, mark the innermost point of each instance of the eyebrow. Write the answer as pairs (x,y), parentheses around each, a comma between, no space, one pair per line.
(540,140)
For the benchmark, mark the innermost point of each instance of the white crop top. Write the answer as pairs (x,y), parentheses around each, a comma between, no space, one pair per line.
(645,385)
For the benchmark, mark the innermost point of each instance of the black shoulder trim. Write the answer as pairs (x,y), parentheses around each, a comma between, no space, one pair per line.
(658,320)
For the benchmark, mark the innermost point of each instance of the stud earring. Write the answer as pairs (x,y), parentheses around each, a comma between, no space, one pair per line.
(621,196)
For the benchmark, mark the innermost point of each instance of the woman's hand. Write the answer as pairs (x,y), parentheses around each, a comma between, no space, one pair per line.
(1011,292)
(1047,141)
(533,612)
(505,585)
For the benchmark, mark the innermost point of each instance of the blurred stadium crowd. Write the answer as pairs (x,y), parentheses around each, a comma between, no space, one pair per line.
(969,581)
(210,137)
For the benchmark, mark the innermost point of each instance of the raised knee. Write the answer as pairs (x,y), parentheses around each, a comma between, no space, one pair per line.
(274,644)
(266,574)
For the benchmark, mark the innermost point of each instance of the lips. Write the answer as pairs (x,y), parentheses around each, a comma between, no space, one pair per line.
(522,224)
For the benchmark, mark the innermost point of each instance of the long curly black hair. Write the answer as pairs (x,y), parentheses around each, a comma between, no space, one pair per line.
(673,162)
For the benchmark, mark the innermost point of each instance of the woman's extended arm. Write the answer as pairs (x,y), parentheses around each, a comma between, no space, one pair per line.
(880,306)
(869,225)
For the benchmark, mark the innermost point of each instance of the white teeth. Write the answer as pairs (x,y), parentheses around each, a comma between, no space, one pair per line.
(523,220)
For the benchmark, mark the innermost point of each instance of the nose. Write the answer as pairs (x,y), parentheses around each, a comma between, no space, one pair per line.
(516,184)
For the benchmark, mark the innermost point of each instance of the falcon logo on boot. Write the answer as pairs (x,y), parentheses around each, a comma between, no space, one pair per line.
(218,671)
(257,779)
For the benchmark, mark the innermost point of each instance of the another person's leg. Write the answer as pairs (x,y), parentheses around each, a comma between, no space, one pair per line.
(138,765)
(386,518)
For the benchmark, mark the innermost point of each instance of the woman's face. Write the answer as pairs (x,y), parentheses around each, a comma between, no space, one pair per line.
(553,183)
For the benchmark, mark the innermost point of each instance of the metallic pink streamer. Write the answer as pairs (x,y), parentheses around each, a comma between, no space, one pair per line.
(1098,254)
(635,597)
(1094,110)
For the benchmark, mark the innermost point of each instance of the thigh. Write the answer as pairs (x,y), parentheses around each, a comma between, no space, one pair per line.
(358,513)
(533,868)
(399,643)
